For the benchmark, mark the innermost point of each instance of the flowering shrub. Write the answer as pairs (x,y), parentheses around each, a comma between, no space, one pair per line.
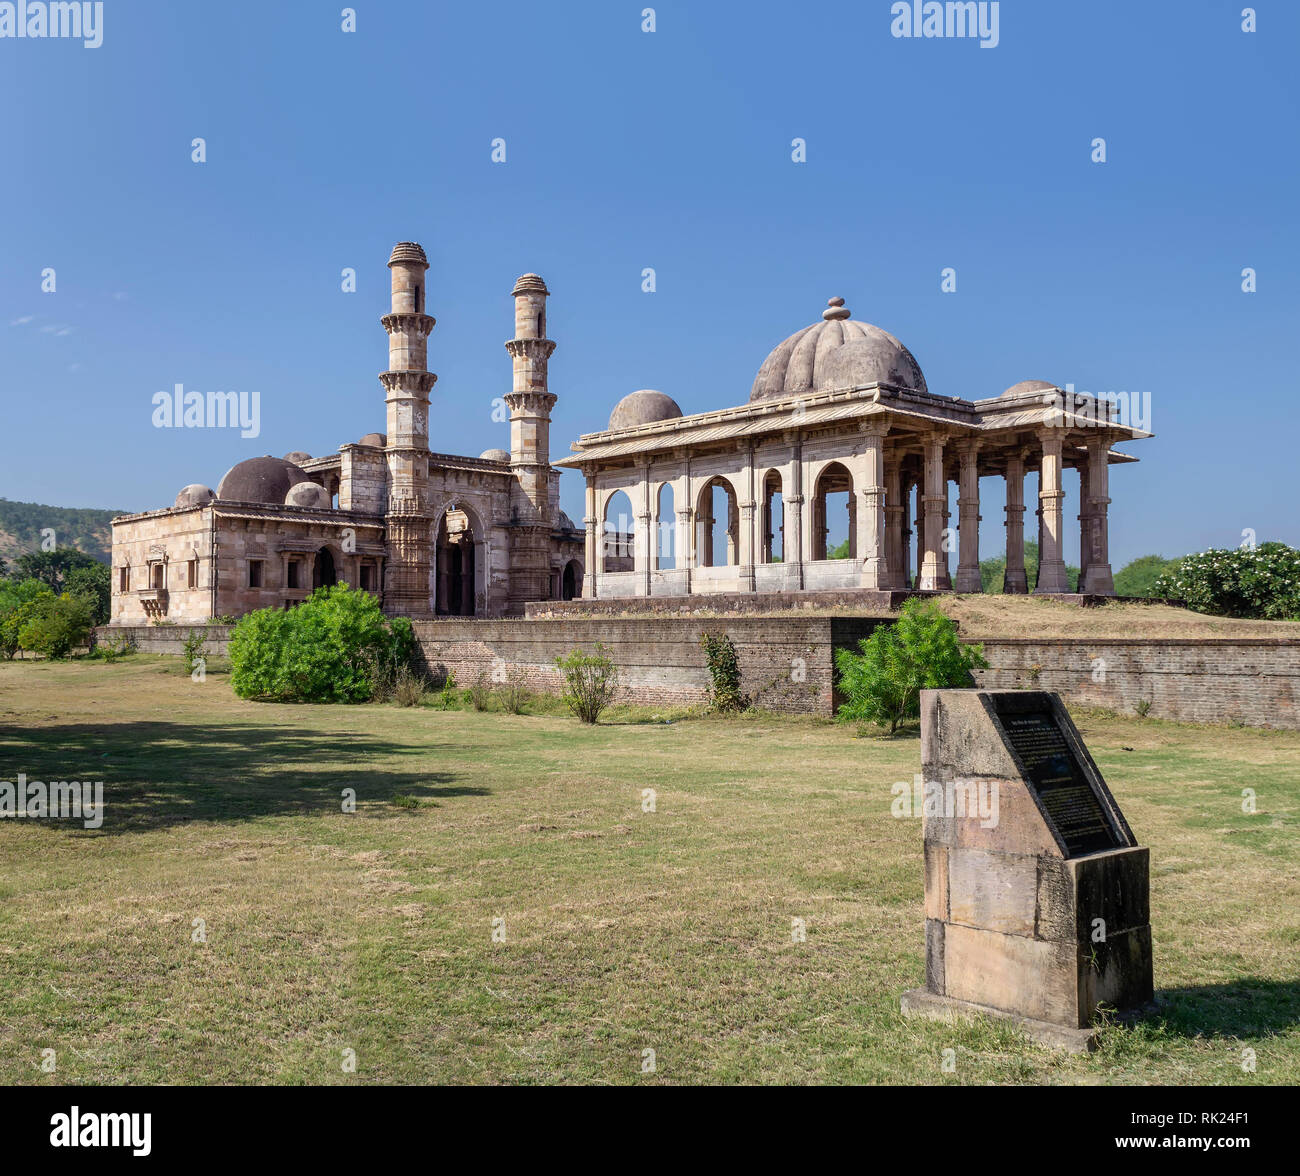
(1263,581)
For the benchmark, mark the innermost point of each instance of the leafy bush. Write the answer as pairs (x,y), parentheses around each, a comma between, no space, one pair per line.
(1263,581)
(57,625)
(109,649)
(337,646)
(94,582)
(724,671)
(883,680)
(590,681)
(196,647)
(17,606)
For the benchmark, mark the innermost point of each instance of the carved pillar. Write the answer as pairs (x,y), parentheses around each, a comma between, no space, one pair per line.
(1052,576)
(894,512)
(792,510)
(875,562)
(1099,578)
(642,540)
(591,550)
(934,561)
(1013,580)
(968,507)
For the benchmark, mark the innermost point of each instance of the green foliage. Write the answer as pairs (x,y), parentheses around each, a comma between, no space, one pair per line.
(839,551)
(337,646)
(994,569)
(57,625)
(17,606)
(724,671)
(515,692)
(53,567)
(109,649)
(196,647)
(1139,576)
(93,581)
(1263,582)
(590,681)
(883,680)
(88,529)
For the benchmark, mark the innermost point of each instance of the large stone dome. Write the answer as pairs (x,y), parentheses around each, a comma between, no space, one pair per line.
(837,352)
(195,494)
(643,408)
(1029,386)
(260,479)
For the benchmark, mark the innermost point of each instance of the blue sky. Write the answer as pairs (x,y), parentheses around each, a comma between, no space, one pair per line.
(671,150)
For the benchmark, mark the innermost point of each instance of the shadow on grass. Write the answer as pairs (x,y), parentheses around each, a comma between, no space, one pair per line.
(158,774)
(1247,1008)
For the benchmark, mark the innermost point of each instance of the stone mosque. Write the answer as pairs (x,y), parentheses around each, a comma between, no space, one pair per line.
(737,500)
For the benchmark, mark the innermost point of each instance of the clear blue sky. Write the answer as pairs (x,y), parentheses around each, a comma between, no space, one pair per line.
(671,150)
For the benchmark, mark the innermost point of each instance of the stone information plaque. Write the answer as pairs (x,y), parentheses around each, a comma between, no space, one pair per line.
(1058,780)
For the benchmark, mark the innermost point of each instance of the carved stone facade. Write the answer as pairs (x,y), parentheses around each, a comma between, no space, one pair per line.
(431,534)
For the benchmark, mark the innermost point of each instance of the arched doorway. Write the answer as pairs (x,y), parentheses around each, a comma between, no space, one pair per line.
(773,519)
(323,574)
(718,525)
(571,580)
(455,562)
(833,525)
(618,534)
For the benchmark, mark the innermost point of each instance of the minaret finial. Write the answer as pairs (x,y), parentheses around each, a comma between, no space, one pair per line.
(835,309)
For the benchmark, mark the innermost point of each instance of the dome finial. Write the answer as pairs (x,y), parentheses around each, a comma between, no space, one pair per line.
(835,309)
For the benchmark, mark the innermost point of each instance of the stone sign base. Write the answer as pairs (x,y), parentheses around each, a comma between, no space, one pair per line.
(917,1002)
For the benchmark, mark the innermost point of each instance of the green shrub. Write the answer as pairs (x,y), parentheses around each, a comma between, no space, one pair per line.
(18,603)
(196,648)
(337,646)
(724,671)
(1261,582)
(590,681)
(94,582)
(479,693)
(57,625)
(1139,576)
(515,692)
(109,649)
(883,680)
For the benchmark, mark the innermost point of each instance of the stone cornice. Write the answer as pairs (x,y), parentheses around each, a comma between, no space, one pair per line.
(408,380)
(408,323)
(530,348)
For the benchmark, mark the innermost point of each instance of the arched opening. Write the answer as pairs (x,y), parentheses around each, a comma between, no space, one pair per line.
(664,549)
(617,531)
(773,519)
(455,563)
(718,523)
(833,524)
(571,580)
(323,575)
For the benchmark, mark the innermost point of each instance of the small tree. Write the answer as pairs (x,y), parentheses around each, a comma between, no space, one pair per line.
(18,604)
(590,681)
(57,625)
(883,680)
(94,582)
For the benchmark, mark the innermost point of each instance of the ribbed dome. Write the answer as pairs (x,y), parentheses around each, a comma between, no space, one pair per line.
(1028,386)
(837,352)
(407,253)
(260,479)
(643,408)
(530,284)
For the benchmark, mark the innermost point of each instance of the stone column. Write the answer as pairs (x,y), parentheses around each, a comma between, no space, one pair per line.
(1084,518)
(642,542)
(1014,581)
(792,509)
(968,507)
(907,532)
(894,511)
(1052,576)
(873,553)
(1099,578)
(934,560)
(683,540)
(591,551)
(745,556)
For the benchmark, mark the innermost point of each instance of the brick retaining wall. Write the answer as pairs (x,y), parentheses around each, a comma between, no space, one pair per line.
(786,662)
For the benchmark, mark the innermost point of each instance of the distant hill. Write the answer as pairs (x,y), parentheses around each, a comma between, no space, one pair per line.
(84,528)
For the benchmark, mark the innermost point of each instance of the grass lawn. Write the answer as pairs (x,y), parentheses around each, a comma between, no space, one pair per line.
(625,930)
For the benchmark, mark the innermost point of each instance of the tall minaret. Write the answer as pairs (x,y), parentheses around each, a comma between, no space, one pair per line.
(532,511)
(407,383)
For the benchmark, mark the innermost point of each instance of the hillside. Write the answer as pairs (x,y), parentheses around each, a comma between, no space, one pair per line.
(85,528)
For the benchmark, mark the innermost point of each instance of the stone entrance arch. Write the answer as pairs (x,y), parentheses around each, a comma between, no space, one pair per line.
(459,562)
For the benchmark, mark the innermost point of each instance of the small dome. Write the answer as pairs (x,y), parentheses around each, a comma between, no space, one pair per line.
(379,439)
(195,494)
(494,455)
(838,352)
(260,479)
(297,457)
(530,284)
(406,253)
(643,408)
(309,494)
(1029,386)
(564,523)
